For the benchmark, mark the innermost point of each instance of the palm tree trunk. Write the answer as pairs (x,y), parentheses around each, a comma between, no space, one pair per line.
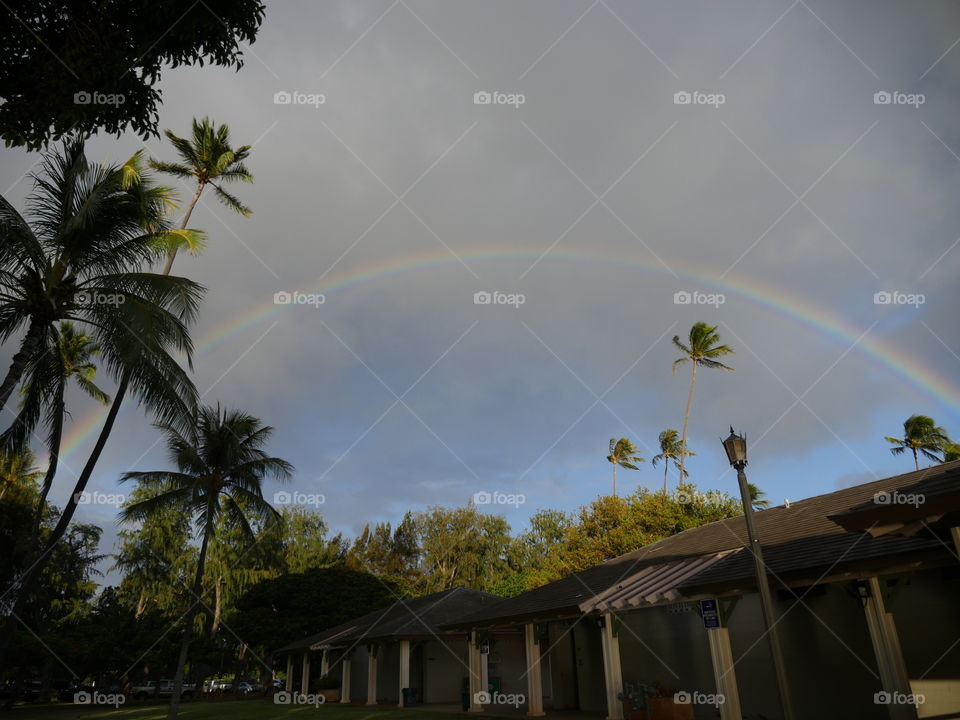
(217,598)
(34,571)
(141,604)
(916,460)
(172,255)
(56,437)
(666,466)
(686,419)
(188,625)
(614,479)
(31,341)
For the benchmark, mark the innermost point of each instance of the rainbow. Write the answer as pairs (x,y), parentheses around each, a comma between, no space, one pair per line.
(803,311)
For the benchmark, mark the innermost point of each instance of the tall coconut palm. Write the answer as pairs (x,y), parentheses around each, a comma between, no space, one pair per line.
(701,350)
(17,470)
(93,229)
(671,450)
(921,436)
(221,466)
(622,453)
(44,396)
(207,158)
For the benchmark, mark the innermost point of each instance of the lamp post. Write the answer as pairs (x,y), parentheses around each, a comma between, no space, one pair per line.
(736,448)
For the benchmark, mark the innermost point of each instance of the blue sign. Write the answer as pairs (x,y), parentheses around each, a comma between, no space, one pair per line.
(710,611)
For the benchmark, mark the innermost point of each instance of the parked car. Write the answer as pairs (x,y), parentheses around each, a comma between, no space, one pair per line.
(152,689)
(246,688)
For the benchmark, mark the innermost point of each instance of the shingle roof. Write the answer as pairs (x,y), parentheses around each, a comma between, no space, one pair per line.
(413,617)
(794,537)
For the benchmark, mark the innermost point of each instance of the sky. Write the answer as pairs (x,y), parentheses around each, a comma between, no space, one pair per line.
(607,173)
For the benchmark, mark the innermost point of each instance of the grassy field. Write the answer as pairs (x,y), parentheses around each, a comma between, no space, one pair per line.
(258,709)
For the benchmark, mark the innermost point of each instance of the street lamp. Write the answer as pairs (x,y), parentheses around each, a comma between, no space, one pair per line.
(736,448)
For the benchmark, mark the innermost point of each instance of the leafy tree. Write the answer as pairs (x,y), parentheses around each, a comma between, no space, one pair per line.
(951,452)
(293,606)
(58,53)
(17,470)
(207,158)
(921,436)
(221,467)
(622,453)
(94,227)
(305,544)
(701,350)
(758,497)
(671,451)
(44,394)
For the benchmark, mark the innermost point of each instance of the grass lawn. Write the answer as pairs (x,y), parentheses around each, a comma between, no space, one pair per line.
(256,709)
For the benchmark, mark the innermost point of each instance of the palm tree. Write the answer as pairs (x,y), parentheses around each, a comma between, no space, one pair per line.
(622,453)
(921,436)
(208,159)
(702,350)
(94,227)
(17,470)
(951,452)
(671,450)
(757,497)
(221,467)
(70,357)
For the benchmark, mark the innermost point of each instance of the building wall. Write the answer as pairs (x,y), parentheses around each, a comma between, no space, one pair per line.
(507,661)
(445,667)
(591,686)
(358,674)
(563,671)
(388,673)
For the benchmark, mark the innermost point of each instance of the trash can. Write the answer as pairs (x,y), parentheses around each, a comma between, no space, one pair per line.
(465,700)
(407,697)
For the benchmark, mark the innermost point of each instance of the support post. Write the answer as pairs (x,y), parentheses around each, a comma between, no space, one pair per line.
(612,672)
(955,534)
(473,666)
(324,663)
(724,675)
(289,686)
(305,679)
(371,675)
(404,669)
(345,679)
(886,646)
(534,678)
